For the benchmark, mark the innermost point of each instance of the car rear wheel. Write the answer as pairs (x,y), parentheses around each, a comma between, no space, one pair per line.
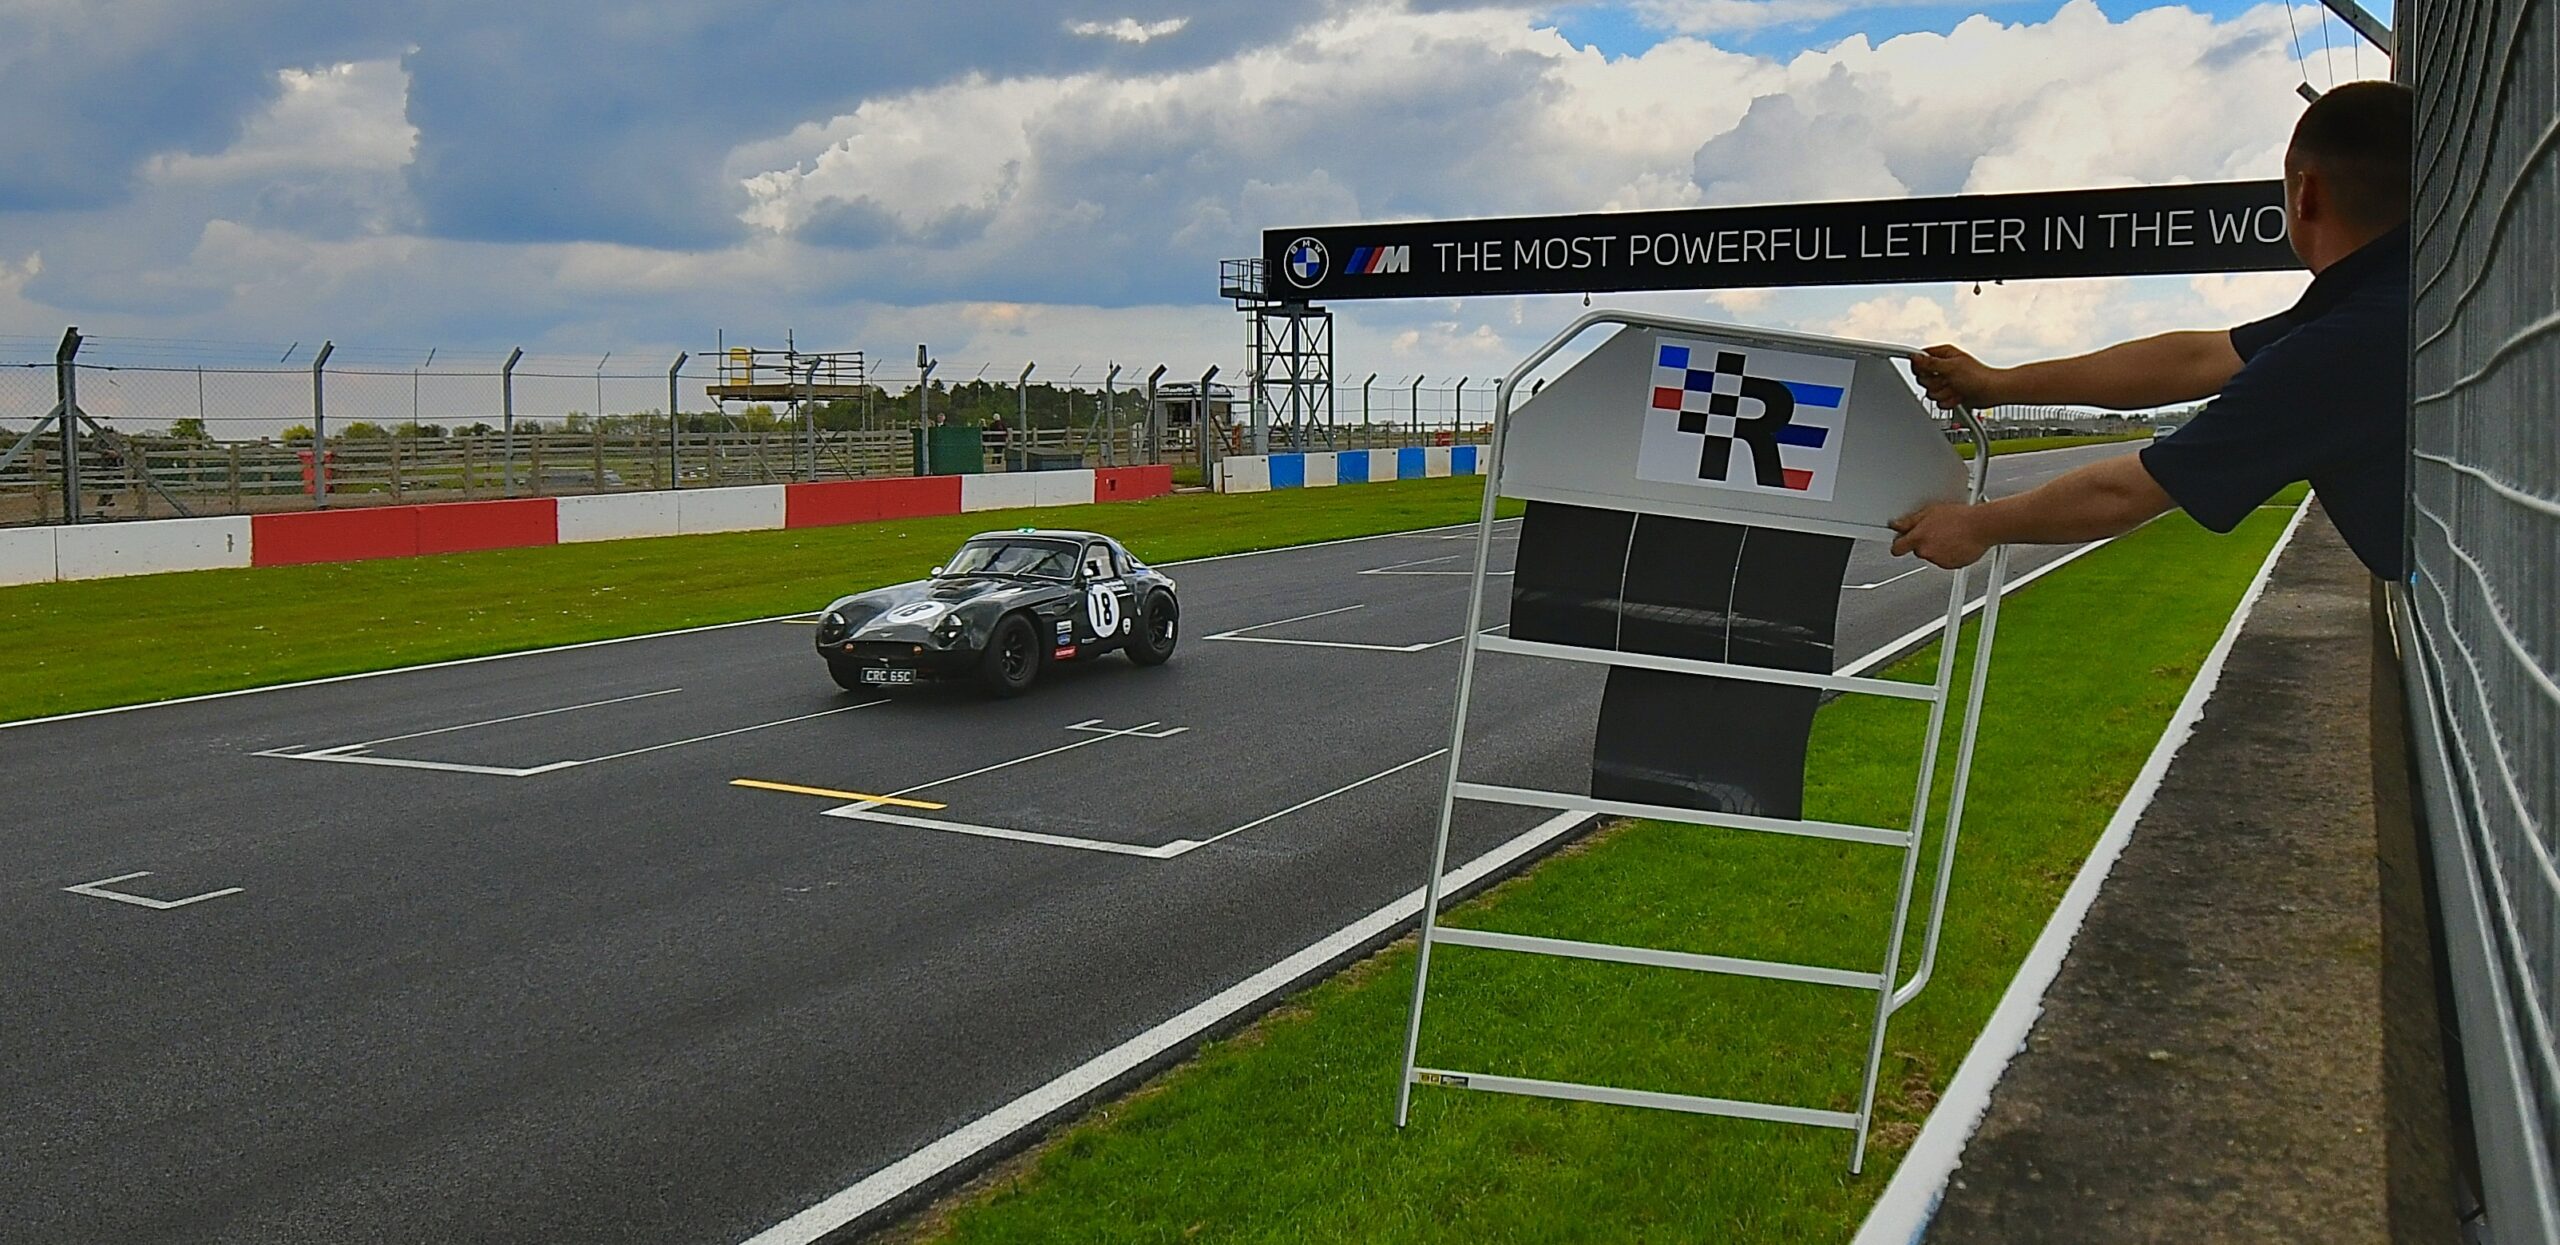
(1157,624)
(1012,658)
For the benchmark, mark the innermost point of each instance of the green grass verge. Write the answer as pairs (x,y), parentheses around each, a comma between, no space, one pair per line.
(1283,1134)
(2028,445)
(91,644)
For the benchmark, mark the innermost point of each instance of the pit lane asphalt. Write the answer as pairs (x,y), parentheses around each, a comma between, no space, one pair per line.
(623,999)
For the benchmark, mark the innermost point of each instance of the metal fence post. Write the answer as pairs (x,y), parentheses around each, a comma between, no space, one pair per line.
(1155,423)
(66,387)
(507,421)
(675,424)
(1364,408)
(924,411)
(809,414)
(1207,435)
(1413,414)
(320,430)
(1109,419)
(1022,401)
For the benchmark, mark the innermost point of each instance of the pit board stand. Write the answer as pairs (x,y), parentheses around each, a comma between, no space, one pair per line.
(1600,435)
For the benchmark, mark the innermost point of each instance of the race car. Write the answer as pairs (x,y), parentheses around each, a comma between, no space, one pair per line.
(1004,607)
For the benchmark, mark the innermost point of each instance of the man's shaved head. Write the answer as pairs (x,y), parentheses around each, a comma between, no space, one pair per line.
(2356,138)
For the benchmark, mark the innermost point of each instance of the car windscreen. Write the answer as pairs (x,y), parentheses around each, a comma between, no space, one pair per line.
(1038,558)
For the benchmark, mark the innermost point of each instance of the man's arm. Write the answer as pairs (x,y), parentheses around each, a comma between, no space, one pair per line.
(2094,502)
(2151,371)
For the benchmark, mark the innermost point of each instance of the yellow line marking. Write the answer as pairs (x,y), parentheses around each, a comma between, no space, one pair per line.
(762,785)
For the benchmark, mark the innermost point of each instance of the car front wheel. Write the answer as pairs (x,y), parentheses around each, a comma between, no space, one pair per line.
(1012,658)
(1157,624)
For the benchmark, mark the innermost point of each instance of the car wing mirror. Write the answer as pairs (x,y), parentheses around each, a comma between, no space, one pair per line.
(937,572)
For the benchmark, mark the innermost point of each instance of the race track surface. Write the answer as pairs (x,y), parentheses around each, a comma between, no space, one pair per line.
(512,958)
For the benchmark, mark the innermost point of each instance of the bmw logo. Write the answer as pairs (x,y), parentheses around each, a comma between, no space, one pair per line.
(1306,263)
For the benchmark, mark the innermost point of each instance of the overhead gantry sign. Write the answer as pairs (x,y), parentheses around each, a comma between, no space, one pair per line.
(2130,231)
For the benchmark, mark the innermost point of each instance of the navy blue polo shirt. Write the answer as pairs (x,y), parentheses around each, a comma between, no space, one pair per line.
(2322,395)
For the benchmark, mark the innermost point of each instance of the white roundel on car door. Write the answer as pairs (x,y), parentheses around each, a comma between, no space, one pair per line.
(1102,606)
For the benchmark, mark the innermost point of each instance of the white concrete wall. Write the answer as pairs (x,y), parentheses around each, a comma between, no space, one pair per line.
(753,508)
(1320,471)
(1056,488)
(26,555)
(1435,461)
(1004,491)
(102,550)
(1244,473)
(617,516)
(1382,466)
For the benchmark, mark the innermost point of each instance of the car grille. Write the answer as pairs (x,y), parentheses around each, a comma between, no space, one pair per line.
(881,649)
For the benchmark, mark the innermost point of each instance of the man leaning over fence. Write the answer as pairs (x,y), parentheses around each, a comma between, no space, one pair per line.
(2317,392)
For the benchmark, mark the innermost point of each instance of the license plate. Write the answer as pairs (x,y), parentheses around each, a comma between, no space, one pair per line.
(888,676)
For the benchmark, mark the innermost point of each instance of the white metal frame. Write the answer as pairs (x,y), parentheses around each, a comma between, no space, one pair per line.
(1889,998)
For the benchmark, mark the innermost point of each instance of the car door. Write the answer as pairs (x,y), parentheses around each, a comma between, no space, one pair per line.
(1104,618)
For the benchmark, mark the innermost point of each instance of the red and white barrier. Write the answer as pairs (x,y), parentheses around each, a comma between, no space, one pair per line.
(102,550)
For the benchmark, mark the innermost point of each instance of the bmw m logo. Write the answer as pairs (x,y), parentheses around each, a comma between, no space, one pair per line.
(1306,263)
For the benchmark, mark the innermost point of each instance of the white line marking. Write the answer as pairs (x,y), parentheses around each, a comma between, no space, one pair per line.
(1302,804)
(1099,737)
(868,812)
(1136,732)
(1229,635)
(1403,568)
(1902,1212)
(346,754)
(960,1145)
(1895,580)
(538,713)
(1351,644)
(1366,648)
(98,888)
(616,756)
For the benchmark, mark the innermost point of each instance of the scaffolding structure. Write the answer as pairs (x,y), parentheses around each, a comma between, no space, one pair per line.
(1289,344)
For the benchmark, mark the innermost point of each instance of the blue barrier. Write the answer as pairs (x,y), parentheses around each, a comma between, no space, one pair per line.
(1288,471)
(1409,463)
(1462,460)
(1351,467)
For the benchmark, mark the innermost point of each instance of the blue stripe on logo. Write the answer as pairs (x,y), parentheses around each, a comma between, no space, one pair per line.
(1359,258)
(1675,356)
(1807,435)
(1814,395)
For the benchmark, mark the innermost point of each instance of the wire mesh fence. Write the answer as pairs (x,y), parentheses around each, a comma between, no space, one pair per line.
(173,437)
(2484,593)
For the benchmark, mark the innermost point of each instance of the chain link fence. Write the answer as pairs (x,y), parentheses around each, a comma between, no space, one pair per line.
(2483,597)
(179,439)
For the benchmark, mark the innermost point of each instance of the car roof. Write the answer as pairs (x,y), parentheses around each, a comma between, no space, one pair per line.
(1042,533)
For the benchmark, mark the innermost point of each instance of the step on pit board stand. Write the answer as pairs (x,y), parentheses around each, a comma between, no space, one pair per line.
(1681,432)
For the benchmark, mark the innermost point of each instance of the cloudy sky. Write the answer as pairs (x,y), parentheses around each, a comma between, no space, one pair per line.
(1015,181)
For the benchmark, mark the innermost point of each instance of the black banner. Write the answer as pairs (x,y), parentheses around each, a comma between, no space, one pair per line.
(2204,227)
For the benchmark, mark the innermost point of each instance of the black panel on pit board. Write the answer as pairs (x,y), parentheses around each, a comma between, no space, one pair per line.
(1695,589)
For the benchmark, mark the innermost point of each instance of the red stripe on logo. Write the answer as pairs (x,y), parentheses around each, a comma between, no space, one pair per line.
(1798,480)
(1666,399)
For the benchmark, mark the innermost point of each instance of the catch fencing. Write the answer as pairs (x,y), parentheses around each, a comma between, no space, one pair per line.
(176,439)
(2482,623)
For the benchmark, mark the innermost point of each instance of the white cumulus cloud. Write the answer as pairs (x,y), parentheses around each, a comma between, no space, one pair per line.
(1129,29)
